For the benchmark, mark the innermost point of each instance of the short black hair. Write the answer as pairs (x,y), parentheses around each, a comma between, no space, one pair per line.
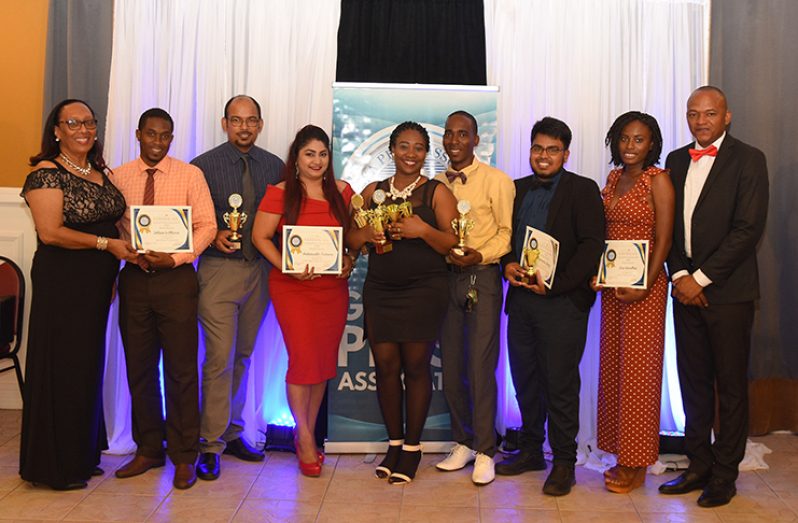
(468,115)
(238,97)
(409,126)
(614,136)
(155,112)
(552,127)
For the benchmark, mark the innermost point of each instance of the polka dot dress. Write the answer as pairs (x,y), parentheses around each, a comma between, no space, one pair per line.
(632,339)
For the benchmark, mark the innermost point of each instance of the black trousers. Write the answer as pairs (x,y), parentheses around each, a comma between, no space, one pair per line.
(158,315)
(712,348)
(546,339)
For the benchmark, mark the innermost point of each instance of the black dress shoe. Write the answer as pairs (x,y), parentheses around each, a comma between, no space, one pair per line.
(243,450)
(209,466)
(718,492)
(560,480)
(686,482)
(523,461)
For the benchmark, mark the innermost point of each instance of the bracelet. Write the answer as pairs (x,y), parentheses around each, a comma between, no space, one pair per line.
(102,243)
(353,259)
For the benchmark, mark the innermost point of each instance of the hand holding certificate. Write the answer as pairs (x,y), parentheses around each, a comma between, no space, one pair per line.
(624,264)
(161,228)
(318,248)
(540,254)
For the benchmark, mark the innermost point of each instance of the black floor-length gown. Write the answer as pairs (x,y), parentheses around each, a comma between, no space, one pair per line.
(63,432)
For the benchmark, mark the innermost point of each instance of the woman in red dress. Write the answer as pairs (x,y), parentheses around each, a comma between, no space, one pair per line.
(638,205)
(310,308)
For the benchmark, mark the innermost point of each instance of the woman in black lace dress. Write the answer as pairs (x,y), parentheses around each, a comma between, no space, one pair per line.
(75,208)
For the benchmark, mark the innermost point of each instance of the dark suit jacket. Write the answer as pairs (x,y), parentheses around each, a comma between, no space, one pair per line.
(576,220)
(727,223)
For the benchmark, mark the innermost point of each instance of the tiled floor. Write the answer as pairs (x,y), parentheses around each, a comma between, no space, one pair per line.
(348,492)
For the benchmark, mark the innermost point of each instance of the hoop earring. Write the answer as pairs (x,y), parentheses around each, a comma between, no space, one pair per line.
(296,175)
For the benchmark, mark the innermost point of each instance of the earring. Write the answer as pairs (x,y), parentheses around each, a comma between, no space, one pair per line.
(57,139)
(297,174)
(95,138)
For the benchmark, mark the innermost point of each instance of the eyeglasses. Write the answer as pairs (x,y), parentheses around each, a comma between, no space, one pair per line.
(237,121)
(74,124)
(551,150)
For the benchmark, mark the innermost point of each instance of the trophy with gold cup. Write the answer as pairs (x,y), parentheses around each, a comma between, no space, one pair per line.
(529,258)
(361,216)
(235,220)
(378,218)
(462,225)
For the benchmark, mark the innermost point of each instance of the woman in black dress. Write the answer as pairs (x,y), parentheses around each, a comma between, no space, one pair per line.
(405,296)
(75,208)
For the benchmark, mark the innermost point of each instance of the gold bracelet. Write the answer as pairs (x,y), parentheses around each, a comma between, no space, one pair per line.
(102,243)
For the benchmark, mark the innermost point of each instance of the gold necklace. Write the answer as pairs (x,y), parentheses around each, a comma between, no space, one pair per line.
(85,171)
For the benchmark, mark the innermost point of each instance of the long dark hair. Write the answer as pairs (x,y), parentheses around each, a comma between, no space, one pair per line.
(614,137)
(295,193)
(51,149)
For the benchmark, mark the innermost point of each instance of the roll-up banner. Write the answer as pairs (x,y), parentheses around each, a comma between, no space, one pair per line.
(363,117)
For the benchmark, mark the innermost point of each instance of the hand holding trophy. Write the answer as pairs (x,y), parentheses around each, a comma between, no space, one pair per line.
(462,225)
(235,220)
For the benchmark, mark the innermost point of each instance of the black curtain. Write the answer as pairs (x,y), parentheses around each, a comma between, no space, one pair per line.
(412,41)
(753,61)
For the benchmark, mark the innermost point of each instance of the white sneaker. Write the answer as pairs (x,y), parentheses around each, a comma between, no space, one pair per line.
(458,457)
(483,470)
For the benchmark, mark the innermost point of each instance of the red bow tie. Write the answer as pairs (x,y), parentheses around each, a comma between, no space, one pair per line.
(453,175)
(696,154)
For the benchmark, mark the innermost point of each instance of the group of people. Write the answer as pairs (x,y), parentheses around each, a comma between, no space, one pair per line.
(702,215)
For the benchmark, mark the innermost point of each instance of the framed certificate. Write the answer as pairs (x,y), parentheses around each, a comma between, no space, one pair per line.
(319,248)
(161,228)
(540,254)
(624,264)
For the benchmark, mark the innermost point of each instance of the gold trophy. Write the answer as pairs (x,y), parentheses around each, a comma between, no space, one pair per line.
(378,218)
(235,220)
(462,225)
(406,209)
(361,216)
(529,259)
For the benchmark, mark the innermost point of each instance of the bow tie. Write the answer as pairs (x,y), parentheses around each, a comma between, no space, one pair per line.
(696,154)
(537,183)
(453,175)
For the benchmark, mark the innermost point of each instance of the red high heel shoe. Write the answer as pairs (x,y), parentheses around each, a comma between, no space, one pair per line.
(312,470)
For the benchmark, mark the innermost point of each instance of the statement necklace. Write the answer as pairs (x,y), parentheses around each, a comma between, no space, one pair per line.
(404,193)
(85,171)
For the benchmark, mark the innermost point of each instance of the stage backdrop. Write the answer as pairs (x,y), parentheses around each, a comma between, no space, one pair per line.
(363,117)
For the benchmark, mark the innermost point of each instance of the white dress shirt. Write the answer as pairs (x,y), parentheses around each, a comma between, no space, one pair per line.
(697,175)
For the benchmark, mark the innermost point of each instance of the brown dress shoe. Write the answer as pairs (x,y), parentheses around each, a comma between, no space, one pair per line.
(138,465)
(185,476)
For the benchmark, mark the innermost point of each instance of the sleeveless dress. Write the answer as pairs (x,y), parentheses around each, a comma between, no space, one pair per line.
(311,313)
(632,339)
(406,290)
(63,432)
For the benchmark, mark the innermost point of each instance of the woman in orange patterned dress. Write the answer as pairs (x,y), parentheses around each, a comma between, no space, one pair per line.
(638,205)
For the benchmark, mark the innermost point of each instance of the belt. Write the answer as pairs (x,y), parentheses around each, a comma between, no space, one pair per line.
(471,268)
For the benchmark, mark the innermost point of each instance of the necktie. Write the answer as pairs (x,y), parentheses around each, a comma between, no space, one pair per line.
(453,175)
(537,183)
(696,154)
(248,196)
(149,188)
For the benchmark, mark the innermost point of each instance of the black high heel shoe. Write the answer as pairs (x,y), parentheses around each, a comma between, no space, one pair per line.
(407,465)
(388,464)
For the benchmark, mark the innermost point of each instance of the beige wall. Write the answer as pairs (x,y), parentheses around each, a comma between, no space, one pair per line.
(22,48)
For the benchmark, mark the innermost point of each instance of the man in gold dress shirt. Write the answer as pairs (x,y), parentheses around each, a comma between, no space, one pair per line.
(470,331)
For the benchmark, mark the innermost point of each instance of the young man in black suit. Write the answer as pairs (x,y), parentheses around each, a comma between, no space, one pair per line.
(547,328)
(721,187)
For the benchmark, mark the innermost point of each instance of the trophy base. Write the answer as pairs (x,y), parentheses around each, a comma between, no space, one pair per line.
(236,246)
(383,248)
(458,251)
